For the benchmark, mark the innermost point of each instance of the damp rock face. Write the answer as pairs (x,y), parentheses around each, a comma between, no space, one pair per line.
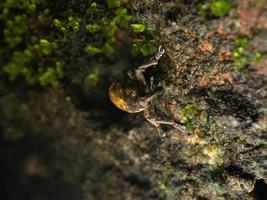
(63,139)
(219,98)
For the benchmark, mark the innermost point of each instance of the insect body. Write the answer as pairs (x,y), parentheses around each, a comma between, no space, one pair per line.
(136,97)
(127,99)
(130,99)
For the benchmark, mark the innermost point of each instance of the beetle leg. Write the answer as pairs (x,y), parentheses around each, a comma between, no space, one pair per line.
(161,51)
(154,123)
(151,83)
(154,93)
(141,69)
(157,124)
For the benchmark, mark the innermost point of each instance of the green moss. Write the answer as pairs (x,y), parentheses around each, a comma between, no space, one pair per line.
(144,46)
(257,57)
(165,187)
(93,77)
(58,24)
(122,17)
(102,23)
(203,9)
(138,28)
(49,77)
(116,3)
(31,63)
(93,7)
(91,50)
(108,27)
(241,42)
(28,6)
(218,8)
(240,59)
(113,3)
(59,69)
(19,64)
(188,112)
(93,28)
(15,29)
(47,47)
(74,22)
(107,49)
(109,31)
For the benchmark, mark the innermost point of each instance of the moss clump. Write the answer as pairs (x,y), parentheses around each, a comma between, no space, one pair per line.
(15,29)
(116,3)
(93,7)
(19,64)
(29,7)
(138,28)
(47,47)
(188,112)
(220,7)
(142,43)
(257,57)
(58,24)
(144,46)
(107,22)
(32,57)
(241,54)
(91,50)
(241,42)
(108,27)
(107,49)
(51,75)
(122,17)
(93,28)
(74,22)
(240,59)
(217,8)
(93,77)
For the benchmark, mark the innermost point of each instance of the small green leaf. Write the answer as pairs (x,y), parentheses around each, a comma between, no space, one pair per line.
(113,3)
(220,7)
(107,49)
(93,7)
(138,28)
(93,28)
(241,42)
(257,57)
(93,77)
(91,50)
(59,69)
(122,18)
(49,77)
(47,47)
(74,22)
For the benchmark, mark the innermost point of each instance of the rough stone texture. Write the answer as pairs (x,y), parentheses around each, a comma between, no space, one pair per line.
(65,143)
(230,103)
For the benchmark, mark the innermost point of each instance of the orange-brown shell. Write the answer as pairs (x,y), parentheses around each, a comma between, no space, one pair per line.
(126,99)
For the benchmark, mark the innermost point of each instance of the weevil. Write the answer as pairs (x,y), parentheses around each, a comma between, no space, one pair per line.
(136,96)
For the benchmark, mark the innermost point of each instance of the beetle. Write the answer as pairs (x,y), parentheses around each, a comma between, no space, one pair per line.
(135,97)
